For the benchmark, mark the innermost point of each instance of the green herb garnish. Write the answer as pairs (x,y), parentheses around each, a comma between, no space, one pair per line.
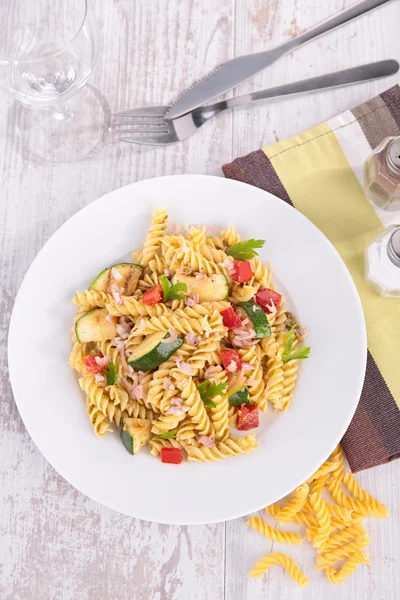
(172,292)
(239,398)
(168,435)
(208,389)
(299,354)
(245,250)
(111,373)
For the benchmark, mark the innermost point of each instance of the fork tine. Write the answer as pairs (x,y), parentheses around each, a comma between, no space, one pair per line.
(142,130)
(149,111)
(140,119)
(142,122)
(151,140)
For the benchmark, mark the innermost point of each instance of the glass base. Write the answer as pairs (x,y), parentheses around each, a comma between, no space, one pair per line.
(55,136)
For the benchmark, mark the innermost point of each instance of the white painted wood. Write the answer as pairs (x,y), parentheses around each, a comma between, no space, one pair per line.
(54,542)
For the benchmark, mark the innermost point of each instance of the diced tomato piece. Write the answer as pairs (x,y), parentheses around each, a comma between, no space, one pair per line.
(91,364)
(153,296)
(171,455)
(242,271)
(266,298)
(230,318)
(231,360)
(247,417)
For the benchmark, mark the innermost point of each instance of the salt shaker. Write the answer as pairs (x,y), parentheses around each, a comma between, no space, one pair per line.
(382,174)
(382,263)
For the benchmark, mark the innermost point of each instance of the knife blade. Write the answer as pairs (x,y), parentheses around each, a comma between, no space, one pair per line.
(237,70)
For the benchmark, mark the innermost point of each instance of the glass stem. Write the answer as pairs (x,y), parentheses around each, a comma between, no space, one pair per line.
(61,112)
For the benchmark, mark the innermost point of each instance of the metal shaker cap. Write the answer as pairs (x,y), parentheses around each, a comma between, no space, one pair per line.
(393,247)
(393,156)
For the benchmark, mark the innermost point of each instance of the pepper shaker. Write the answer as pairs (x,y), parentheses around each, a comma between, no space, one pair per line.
(382,174)
(382,263)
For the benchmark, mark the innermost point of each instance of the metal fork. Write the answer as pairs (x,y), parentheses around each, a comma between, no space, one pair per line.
(148,125)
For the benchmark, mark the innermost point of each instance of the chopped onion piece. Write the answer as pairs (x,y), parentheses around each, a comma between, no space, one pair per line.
(103,361)
(166,383)
(232,367)
(206,441)
(116,274)
(99,378)
(246,366)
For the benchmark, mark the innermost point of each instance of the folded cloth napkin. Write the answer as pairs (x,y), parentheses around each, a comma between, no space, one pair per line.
(319,172)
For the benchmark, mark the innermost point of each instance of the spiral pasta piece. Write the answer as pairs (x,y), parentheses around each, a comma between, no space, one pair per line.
(274,382)
(282,537)
(197,410)
(261,273)
(230,236)
(269,346)
(186,431)
(99,398)
(156,444)
(148,281)
(243,292)
(136,308)
(220,414)
(91,299)
(318,505)
(155,234)
(212,254)
(343,537)
(118,396)
(279,558)
(215,242)
(77,356)
(197,235)
(289,381)
(226,449)
(97,419)
(348,568)
(203,354)
(336,554)
(255,383)
(378,510)
(337,456)
(325,469)
(157,265)
(295,505)
(362,508)
(167,423)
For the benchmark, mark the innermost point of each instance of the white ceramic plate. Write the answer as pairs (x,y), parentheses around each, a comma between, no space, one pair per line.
(291,445)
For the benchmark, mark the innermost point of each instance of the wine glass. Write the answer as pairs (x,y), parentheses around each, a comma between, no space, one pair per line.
(47,53)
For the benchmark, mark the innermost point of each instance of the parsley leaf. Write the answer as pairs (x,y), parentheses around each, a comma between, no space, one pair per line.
(111,373)
(208,389)
(172,292)
(168,435)
(299,354)
(239,398)
(245,250)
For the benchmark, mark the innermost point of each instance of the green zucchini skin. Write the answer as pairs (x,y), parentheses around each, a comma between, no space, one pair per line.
(258,319)
(152,351)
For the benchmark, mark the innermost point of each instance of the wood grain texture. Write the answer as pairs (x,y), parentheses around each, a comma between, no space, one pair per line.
(54,542)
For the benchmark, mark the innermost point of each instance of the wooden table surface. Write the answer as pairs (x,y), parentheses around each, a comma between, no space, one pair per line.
(54,542)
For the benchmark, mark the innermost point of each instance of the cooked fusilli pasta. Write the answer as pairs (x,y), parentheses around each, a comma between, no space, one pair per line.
(164,340)
(279,558)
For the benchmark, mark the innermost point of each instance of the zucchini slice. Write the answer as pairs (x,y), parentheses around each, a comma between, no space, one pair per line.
(258,318)
(94,327)
(129,277)
(153,351)
(135,433)
(209,289)
(237,383)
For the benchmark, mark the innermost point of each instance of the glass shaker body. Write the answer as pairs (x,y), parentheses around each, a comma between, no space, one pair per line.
(382,174)
(382,263)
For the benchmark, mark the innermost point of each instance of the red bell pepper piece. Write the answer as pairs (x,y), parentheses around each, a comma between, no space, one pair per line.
(242,271)
(153,296)
(172,456)
(266,298)
(91,364)
(247,417)
(230,318)
(231,360)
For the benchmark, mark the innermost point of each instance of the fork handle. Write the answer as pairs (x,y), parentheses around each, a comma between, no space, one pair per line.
(382,68)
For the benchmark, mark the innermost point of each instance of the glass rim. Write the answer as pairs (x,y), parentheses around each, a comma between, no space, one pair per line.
(6,59)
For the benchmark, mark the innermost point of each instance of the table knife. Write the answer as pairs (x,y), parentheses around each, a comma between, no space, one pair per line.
(236,71)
